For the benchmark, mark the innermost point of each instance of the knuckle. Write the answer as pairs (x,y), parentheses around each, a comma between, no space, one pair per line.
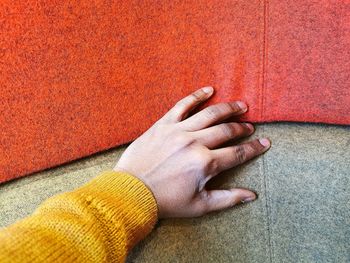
(197,96)
(183,140)
(240,153)
(202,206)
(254,147)
(159,125)
(241,128)
(234,107)
(213,166)
(223,108)
(227,130)
(204,197)
(200,210)
(180,104)
(206,163)
(202,159)
(206,160)
(179,110)
(212,112)
(176,112)
(158,130)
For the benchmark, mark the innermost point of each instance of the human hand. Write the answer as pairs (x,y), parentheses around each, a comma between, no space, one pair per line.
(177,156)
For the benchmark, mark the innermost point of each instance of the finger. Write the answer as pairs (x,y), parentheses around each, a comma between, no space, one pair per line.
(221,199)
(216,135)
(213,114)
(185,105)
(232,156)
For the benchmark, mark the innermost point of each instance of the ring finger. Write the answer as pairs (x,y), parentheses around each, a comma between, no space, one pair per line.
(232,156)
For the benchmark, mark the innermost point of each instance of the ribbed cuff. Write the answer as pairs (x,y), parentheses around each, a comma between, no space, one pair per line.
(124,196)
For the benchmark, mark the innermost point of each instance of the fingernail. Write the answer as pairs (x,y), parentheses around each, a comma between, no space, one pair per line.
(242,105)
(248,199)
(208,89)
(265,142)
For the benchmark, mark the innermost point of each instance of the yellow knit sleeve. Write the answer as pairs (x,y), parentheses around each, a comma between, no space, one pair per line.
(98,222)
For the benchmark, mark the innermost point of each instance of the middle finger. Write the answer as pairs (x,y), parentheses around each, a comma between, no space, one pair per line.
(213,114)
(216,135)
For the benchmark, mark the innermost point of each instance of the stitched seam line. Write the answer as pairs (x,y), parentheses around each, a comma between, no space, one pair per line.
(267,207)
(262,114)
(264,61)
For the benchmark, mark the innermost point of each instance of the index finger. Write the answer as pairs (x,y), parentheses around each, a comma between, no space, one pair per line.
(185,105)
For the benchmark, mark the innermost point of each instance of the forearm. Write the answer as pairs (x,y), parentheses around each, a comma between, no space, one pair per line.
(100,221)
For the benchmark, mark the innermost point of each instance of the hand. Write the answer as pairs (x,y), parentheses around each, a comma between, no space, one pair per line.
(177,156)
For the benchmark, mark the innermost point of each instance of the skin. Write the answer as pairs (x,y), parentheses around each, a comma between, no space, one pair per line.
(178,155)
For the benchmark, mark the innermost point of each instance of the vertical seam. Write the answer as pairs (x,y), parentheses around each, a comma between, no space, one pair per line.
(264,60)
(267,206)
(262,115)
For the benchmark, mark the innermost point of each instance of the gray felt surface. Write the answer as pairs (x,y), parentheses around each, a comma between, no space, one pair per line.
(302,213)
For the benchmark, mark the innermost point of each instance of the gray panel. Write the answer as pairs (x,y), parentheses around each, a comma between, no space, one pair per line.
(308,192)
(302,213)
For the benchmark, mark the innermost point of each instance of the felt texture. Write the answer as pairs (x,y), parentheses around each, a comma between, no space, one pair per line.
(81,77)
(301,214)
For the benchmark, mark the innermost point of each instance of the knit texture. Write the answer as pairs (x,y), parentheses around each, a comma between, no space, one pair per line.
(78,77)
(99,222)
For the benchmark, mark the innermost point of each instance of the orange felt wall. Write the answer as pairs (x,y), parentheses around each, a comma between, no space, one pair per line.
(78,77)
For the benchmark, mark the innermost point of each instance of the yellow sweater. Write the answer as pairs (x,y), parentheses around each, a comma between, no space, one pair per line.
(98,222)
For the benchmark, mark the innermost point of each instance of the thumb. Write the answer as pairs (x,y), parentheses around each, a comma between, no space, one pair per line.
(221,199)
